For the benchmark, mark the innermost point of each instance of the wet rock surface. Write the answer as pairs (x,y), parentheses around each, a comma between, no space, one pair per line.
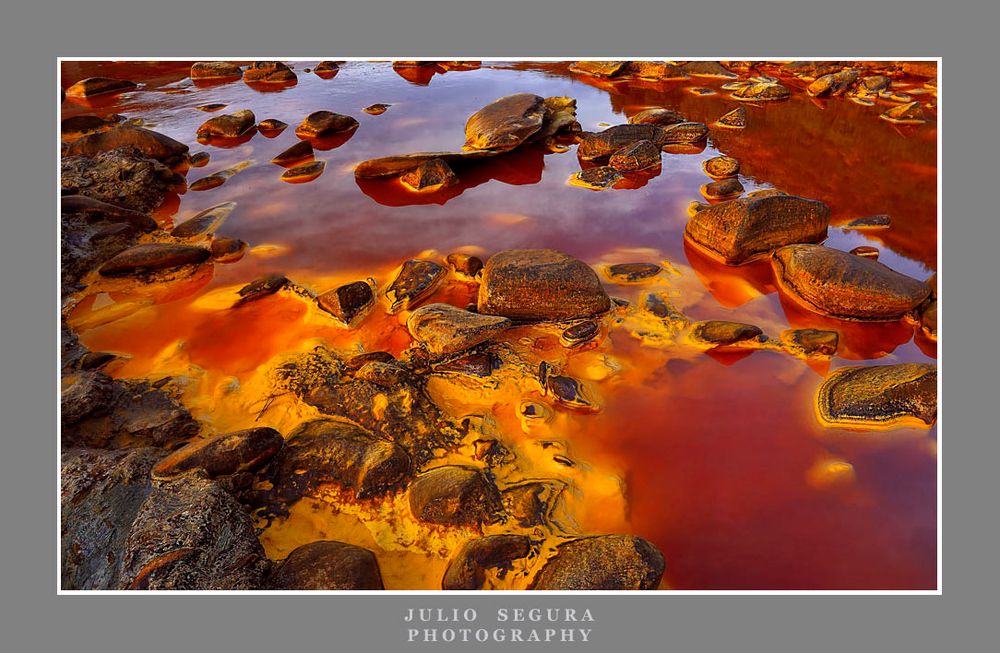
(446,329)
(812,341)
(190,534)
(429,176)
(416,280)
(94,86)
(215,70)
(721,167)
(641,155)
(454,495)
(632,272)
(505,123)
(222,455)
(149,143)
(232,125)
(269,72)
(603,144)
(467,569)
(840,284)
(101,495)
(540,284)
(721,333)
(657,116)
(204,222)
(879,396)
(327,451)
(325,123)
(327,565)
(598,178)
(123,177)
(722,189)
(735,119)
(606,562)
(348,303)
(742,229)
(152,257)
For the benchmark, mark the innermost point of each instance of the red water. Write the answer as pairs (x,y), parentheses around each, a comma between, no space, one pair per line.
(722,455)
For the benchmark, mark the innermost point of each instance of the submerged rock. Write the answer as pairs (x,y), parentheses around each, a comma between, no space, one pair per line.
(335,451)
(152,257)
(845,286)
(269,72)
(641,155)
(416,280)
(580,333)
(429,176)
(735,119)
(325,123)
(93,86)
(222,455)
(467,569)
(879,396)
(348,303)
(811,341)
(722,334)
(604,562)
(540,284)
(101,493)
(569,392)
(205,222)
(215,70)
(722,189)
(742,229)
(151,144)
(190,534)
(721,167)
(599,178)
(454,495)
(445,329)
(657,116)
(327,565)
(504,124)
(632,272)
(906,114)
(871,222)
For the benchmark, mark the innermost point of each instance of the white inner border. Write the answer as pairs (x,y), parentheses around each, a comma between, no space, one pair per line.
(445,593)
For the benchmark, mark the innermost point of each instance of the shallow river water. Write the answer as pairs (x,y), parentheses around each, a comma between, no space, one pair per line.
(717,459)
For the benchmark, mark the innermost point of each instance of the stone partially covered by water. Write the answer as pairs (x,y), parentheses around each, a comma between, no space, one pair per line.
(325,123)
(149,143)
(446,329)
(723,189)
(153,257)
(504,124)
(657,116)
(429,176)
(301,151)
(540,284)
(641,155)
(834,84)
(598,178)
(742,229)
(327,565)
(222,455)
(845,286)
(190,534)
(273,72)
(708,69)
(416,280)
(454,495)
(879,396)
(811,342)
(715,334)
(230,125)
(762,92)
(605,562)
(721,167)
(205,222)
(94,86)
(906,114)
(215,70)
(467,568)
(348,303)
(326,451)
(735,119)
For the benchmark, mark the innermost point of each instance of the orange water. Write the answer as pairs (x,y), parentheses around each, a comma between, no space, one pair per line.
(724,465)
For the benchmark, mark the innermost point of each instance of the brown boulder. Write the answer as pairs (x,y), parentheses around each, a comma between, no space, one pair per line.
(348,303)
(641,155)
(723,189)
(597,178)
(657,116)
(222,455)
(721,167)
(739,230)
(467,569)
(269,72)
(215,70)
(97,210)
(231,125)
(845,286)
(605,562)
(812,341)
(454,495)
(834,84)
(720,333)
(762,92)
(504,124)
(152,257)
(708,69)
(393,166)
(879,396)
(446,329)
(92,86)
(416,280)
(605,143)
(205,222)
(429,176)
(335,451)
(299,152)
(325,123)
(327,565)
(540,284)
(599,68)
(150,143)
